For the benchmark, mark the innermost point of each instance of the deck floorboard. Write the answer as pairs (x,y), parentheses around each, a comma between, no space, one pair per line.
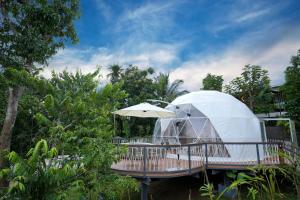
(168,167)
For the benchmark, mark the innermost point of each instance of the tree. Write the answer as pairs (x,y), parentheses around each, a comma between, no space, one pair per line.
(138,84)
(3,97)
(252,88)
(291,87)
(167,91)
(30,33)
(75,117)
(212,82)
(115,73)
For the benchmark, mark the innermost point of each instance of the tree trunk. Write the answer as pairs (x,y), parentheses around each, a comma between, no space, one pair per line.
(251,101)
(9,121)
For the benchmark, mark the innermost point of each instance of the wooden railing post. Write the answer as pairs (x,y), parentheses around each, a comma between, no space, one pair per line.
(118,151)
(280,153)
(257,153)
(189,155)
(206,156)
(145,160)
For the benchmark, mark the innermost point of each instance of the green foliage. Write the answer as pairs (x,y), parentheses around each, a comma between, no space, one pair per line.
(291,87)
(207,190)
(140,85)
(165,90)
(212,82)
(252,88)
(262,183)
(292,169)
(25,131)
(115,73)
(76,111)
(32,31)
(75,117)
(231,174)
(45,175)
(40,176)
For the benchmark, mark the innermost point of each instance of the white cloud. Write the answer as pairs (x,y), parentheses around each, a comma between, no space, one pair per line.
(148,19)
(144,25)
(149,9)
(252,48)
(156,55)
(230,62)
(252,15)
(241,13)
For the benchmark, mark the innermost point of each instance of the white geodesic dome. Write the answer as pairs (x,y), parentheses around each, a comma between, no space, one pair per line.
(209,116)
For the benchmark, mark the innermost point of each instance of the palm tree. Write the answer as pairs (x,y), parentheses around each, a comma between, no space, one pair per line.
(167,91)
(115,73)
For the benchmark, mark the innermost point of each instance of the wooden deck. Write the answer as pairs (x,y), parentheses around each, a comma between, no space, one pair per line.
(160,161)
(162,169)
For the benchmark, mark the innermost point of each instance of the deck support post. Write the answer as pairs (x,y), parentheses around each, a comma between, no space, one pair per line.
(206,156)
(189,156)
(145,161)
(144,188)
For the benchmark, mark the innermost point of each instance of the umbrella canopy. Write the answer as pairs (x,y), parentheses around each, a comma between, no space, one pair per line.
(145,110)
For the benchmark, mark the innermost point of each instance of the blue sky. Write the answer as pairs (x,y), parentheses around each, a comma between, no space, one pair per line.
(187,39)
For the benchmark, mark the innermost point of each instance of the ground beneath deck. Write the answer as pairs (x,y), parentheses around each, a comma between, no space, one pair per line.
(182,188)
(174,189)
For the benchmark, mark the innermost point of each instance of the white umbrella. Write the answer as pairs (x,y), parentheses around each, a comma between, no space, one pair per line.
(145,110)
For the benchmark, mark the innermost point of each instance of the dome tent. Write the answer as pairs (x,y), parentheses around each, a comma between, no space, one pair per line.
(210,116)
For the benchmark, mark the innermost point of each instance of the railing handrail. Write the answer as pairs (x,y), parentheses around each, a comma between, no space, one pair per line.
(142,153)
(198,144)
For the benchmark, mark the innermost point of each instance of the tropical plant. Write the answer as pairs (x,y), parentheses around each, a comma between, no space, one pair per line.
(115,73)
(207,190)
(75,117)
(166,90)
(76,112)
(262,182)
(46,175)
(292,169)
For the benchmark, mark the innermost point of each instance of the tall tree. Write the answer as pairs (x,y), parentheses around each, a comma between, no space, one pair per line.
(139,86)
(252,88)
(30,33)
(115,73)
(291,88)
(75,117)
(212,82)
(167,91)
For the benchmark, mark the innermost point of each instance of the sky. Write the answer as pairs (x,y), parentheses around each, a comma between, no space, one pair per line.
(186,39)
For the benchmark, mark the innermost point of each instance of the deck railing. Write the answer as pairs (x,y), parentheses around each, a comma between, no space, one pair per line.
(156,159)
(160,159)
